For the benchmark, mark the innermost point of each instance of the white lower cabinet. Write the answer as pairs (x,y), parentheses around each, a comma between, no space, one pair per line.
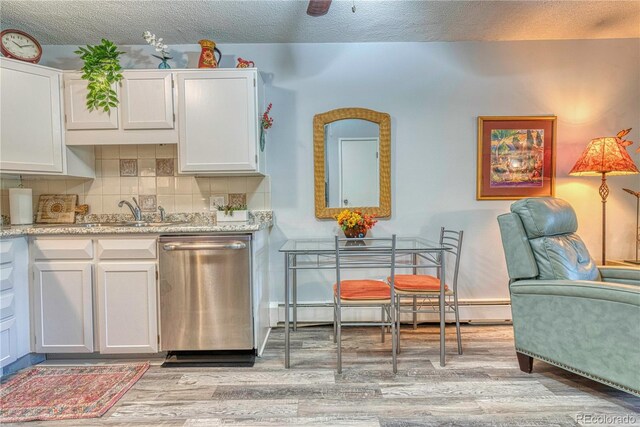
(8,341)
(95,294)
(63,307)
(127,307)
(14,300)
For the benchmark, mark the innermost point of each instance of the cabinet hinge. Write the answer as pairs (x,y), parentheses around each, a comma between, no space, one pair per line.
(256,159)
(65,118)
(174,117)
(157,275)
(158,339)
(254,82)
(172,84)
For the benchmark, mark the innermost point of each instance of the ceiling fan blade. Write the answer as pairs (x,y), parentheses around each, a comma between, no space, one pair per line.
(318,7)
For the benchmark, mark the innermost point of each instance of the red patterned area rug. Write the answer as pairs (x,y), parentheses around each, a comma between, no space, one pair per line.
(60,393)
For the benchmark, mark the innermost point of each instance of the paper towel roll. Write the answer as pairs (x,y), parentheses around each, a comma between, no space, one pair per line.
(20,206)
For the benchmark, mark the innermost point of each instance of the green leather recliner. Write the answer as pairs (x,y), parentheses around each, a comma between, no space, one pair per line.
(566,310)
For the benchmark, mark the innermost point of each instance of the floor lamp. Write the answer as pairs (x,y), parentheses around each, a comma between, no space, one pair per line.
(605,156)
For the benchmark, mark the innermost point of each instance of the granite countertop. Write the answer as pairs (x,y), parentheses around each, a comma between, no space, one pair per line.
(185,223)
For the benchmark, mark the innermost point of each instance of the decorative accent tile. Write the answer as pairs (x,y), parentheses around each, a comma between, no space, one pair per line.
(164,167)
(148,203)
(128,167)
(238,199)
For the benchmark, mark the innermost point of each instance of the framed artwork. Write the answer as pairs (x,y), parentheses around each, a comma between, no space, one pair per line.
(516,157)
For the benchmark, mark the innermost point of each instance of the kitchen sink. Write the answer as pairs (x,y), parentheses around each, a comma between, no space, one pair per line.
(115,224)
(79,225)
(149,223)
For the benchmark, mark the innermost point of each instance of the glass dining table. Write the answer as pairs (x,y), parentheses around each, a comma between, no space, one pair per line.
(320,254)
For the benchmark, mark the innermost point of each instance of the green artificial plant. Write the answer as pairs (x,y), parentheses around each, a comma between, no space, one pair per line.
(101,69)
(229,209)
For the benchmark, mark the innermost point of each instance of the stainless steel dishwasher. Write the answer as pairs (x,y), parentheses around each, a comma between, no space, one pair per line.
(205,295)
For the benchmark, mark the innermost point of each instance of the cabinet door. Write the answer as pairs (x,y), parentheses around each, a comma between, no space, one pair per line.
(77,115)
(127,313)
(218,121)
(63,307)
(146,100)
(30,113)
(8,341)
(14,291)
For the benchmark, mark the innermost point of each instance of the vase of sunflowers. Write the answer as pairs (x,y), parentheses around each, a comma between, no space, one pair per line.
(355,224)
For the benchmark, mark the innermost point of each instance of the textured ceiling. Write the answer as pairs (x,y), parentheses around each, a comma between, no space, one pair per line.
(226,21)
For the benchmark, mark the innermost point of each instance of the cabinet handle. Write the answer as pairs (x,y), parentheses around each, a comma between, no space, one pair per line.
(203,246)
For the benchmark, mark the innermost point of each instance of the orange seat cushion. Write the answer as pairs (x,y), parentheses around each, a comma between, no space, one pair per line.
(417,283)
(363,290)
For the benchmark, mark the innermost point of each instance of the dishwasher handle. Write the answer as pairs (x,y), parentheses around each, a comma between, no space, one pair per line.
(203,246)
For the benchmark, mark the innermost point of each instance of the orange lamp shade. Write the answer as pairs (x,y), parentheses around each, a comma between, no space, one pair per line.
(604,155)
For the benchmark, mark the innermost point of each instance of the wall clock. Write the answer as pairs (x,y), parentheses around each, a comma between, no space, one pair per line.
(20,45)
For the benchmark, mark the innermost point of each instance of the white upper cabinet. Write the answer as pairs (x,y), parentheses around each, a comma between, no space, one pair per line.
(77,116)
(147,100)
(31,131)
(219,121)
(145,112)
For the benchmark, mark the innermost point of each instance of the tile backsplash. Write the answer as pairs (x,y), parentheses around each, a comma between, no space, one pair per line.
(148,172)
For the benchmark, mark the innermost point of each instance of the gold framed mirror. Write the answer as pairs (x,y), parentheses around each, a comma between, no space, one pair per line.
(352,162)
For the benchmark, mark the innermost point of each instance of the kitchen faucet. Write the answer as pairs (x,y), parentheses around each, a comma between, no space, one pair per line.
(163,214)
(137,212)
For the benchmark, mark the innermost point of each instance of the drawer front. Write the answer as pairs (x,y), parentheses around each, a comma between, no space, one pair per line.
(63,249)
(7,305)
(8,341)
(6,251)
(127,248)
(6,276)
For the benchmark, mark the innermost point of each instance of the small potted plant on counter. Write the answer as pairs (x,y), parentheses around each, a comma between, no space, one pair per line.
(232,213)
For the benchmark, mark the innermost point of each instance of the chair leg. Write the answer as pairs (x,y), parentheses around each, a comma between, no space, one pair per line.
(394,341)
(415,312)
(339,339)
(397,309)
(525,362)
(382,321)
(455,307)
(335,321)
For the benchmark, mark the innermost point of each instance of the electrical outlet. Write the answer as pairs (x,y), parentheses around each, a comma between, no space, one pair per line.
(215,201)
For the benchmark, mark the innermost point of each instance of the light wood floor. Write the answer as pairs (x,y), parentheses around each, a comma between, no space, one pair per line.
(482,387)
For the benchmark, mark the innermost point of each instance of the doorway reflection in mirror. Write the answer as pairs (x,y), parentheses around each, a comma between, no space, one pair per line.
(352,168)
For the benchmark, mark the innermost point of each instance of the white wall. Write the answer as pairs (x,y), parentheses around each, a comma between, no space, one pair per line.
(434,93)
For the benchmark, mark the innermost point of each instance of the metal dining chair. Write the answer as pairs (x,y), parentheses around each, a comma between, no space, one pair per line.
(365,293)
(424,289)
